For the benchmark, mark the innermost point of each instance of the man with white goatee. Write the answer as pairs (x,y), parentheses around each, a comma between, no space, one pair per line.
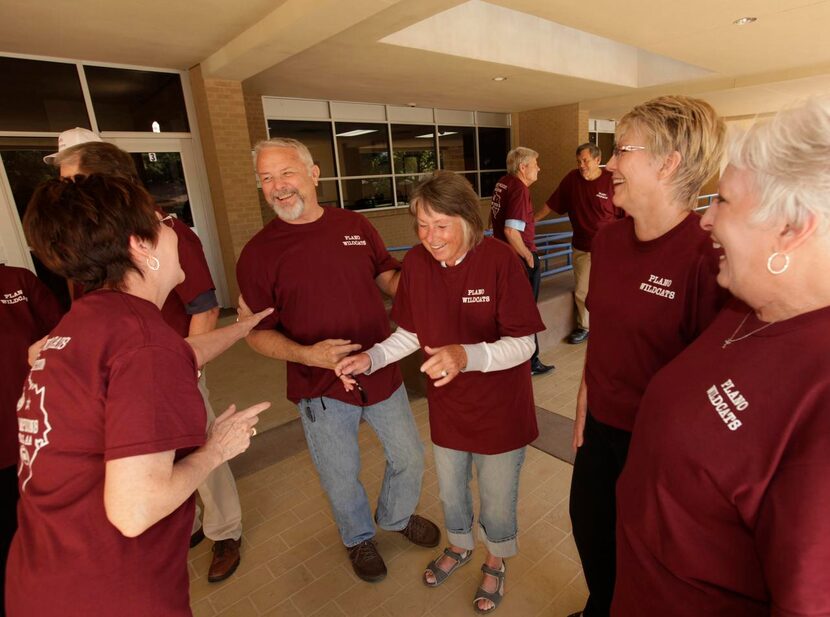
(323,271)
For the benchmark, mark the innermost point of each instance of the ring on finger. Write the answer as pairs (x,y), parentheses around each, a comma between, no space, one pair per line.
(444,373)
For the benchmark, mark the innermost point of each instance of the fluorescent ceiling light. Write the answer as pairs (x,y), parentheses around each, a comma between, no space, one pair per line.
(357,132)
(428,135)
(743,21)
(499,78)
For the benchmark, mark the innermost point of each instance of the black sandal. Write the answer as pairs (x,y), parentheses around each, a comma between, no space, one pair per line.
(495,596)
(440,575)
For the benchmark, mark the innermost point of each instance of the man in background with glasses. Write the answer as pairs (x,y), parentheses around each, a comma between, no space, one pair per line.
(585,196)
(323,271)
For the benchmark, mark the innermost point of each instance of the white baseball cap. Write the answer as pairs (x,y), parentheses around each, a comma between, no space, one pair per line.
(70,138)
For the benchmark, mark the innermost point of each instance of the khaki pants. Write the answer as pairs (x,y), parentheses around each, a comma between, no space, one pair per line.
(223,514)
(582,272)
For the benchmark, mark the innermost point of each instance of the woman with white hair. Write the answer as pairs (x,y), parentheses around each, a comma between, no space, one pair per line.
(724,502)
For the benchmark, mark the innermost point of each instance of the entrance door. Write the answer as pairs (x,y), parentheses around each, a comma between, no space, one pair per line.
(165,165)
(168,168)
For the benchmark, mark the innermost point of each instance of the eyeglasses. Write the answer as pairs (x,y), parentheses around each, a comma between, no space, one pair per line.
(618,150)
(168,220)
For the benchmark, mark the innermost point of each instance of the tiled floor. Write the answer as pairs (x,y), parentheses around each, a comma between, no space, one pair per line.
(294,565)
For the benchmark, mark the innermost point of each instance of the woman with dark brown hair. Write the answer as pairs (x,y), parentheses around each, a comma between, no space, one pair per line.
(466,301)
(112,437)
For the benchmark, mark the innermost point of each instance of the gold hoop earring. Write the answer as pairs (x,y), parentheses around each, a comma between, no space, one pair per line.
(153,263)
(783,268)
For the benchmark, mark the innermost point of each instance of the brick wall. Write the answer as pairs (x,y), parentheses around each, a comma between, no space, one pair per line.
(554,132)
(221,113)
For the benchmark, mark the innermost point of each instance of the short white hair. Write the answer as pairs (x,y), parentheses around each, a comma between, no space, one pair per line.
(789,159)
(287,142)
(518,157)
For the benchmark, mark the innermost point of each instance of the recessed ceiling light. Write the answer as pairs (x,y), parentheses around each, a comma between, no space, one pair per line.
(743,21)
(499,78)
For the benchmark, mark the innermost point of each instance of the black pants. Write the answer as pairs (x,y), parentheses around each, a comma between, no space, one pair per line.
(534,274)
(593,508)
(8,521)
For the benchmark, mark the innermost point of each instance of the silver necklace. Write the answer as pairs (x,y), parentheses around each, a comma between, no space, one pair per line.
(731,338)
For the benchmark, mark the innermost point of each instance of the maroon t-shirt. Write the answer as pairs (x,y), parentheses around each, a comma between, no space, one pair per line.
(587,203)
(102,390)
(648,301)
(511,200)
(28,311)
(485,297)
(724,500)
(197,279)
(320,279)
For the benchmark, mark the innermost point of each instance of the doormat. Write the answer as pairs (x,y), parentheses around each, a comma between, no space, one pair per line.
(269,447)
(555,435)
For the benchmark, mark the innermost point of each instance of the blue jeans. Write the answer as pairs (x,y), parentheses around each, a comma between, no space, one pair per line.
(498,490)
(330,428)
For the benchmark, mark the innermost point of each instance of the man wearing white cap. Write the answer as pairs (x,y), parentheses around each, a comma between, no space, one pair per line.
(70,138)
(191,309)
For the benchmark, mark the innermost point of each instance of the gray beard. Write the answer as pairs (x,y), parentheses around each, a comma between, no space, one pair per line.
(289,214)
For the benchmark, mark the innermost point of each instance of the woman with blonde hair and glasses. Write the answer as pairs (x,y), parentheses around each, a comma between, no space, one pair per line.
(724,501)
(652,292)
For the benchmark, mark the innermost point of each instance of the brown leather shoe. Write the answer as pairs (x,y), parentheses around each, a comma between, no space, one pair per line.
(422,531)
(225,559)
(367,562)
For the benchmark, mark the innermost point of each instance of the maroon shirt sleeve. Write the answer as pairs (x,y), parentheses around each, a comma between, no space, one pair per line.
(555,201)
(401,308)
(517,312)
(793,530)
(152,399)
(192,260)
(383,260)
(257,290)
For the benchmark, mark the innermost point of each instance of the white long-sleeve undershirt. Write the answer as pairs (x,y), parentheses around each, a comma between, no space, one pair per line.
(499,355)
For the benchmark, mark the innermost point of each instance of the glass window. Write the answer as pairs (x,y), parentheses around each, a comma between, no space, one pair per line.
(327,194)
(606,146)
(413,149)
(128,100)
(41,96)
(363,150)
(404,185)
(488,182)
(315,135)
(473,180)
(493,146)
(163,176)
(367,193)
(457,145)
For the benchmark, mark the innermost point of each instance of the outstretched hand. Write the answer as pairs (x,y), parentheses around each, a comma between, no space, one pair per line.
(247,319)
